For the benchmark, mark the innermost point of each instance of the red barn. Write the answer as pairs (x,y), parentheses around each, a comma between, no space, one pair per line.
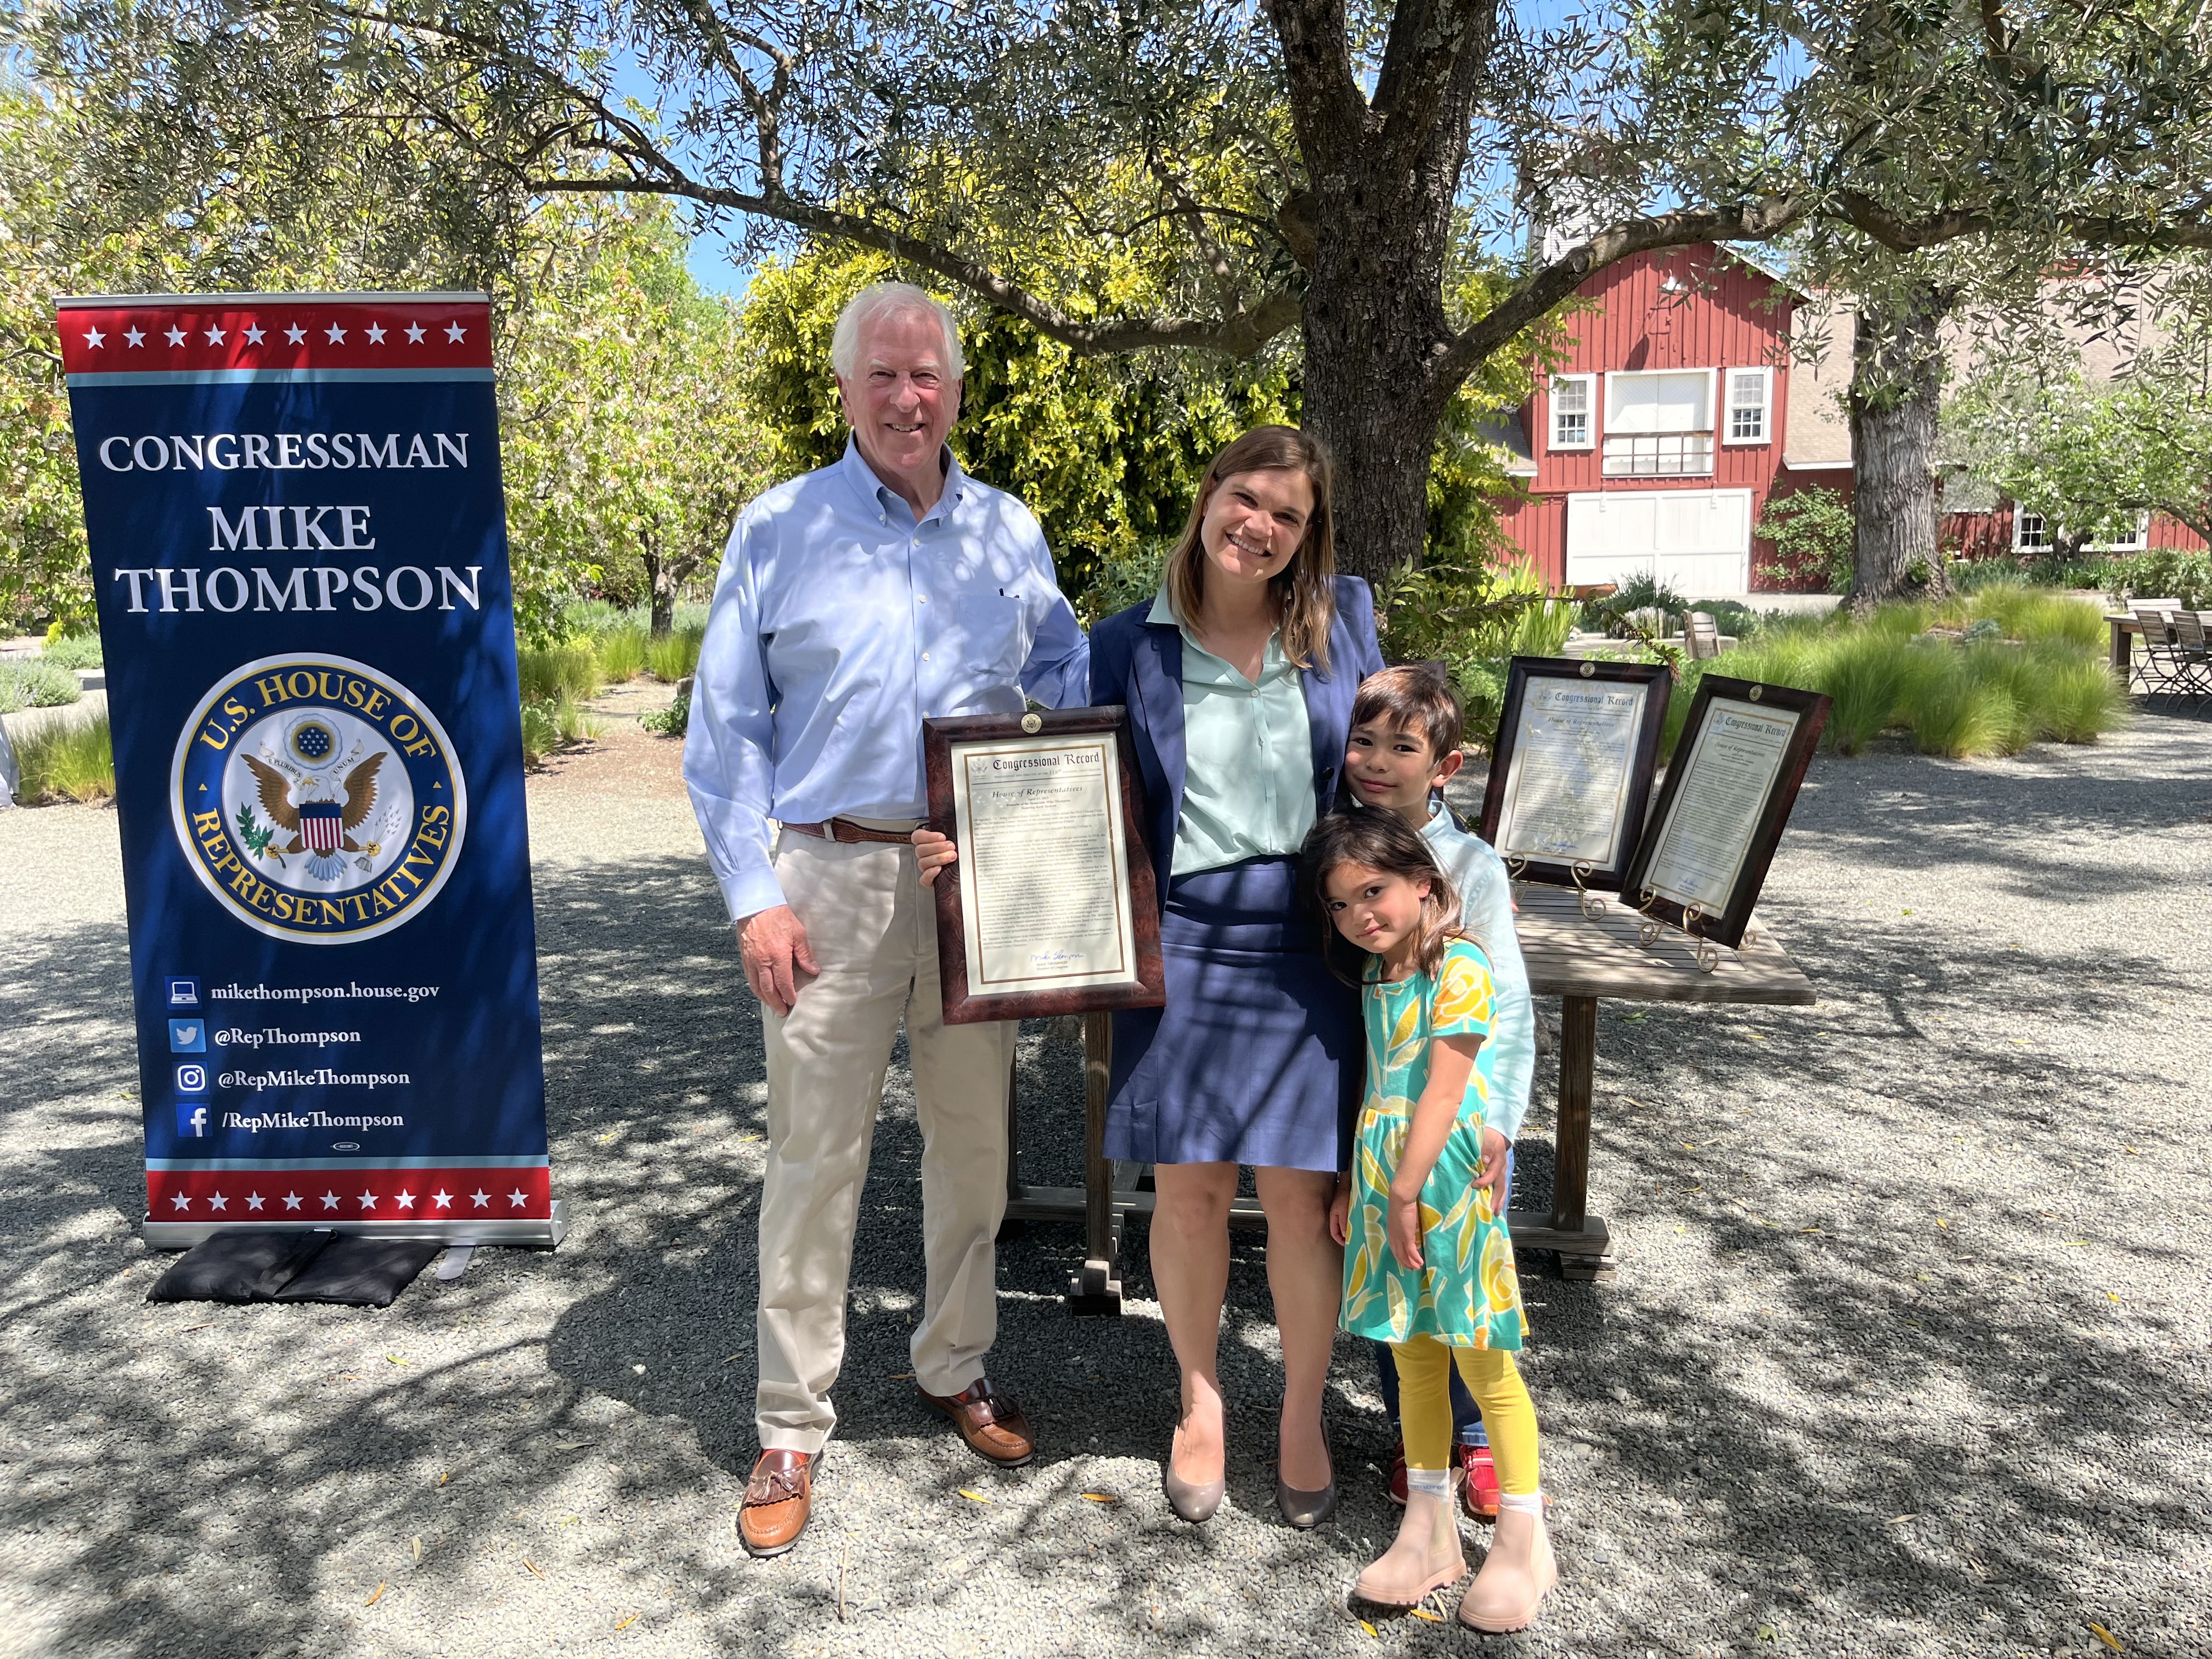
(1695,387)
(1656,442)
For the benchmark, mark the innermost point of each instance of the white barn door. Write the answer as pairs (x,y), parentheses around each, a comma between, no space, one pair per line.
(1696,540)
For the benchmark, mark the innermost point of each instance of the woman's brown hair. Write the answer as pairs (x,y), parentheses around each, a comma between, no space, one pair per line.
(1384,842)
(1304,590)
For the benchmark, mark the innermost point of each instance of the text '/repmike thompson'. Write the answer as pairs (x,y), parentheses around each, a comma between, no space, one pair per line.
(290,528)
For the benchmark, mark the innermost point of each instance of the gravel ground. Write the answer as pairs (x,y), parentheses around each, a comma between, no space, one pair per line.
(1907,1354)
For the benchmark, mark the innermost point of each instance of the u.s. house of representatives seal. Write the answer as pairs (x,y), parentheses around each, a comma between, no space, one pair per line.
(316,798)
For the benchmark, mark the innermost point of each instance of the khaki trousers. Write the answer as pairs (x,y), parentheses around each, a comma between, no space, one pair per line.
(873,929)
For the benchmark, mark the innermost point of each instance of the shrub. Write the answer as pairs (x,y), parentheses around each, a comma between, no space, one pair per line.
(2168,573)
(672,721)
(66,759)
(672,657)
(35,683)
(1812,535)
(1125,577)
(73,651)
(2081,699)
(1644,592)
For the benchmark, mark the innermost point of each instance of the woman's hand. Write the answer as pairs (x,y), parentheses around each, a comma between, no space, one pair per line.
(1406,1231)
(1495,1147)
(933,851)
(1340,1210)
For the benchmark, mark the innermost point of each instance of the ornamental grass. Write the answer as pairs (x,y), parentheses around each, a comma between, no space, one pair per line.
(65,760)
(2011,666)
(675,656)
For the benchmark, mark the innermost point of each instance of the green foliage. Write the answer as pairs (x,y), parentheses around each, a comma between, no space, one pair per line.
(2166,572)
(2037,673)
(627,448)
(1812,533)
(676,656)
(35,683)
(621,653)
(73,651)
(66,760)
(552,722)
(1473,619)
(2092,459)
(672,721)
(554,671)
(1123,579)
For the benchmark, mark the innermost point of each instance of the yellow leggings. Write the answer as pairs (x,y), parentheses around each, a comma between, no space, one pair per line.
(1425,1408)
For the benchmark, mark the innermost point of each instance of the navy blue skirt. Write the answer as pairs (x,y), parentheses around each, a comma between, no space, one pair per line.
(1257,1056)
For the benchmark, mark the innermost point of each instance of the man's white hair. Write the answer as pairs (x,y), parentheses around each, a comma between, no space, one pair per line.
(882,299)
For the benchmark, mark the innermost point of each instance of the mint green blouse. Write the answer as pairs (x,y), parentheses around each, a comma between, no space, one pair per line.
(1247,787)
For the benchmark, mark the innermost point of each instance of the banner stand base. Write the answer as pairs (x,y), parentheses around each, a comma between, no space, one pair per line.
(537,1235)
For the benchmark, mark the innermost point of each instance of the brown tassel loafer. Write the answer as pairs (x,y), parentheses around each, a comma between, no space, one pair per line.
(777,1497)
(989,1422)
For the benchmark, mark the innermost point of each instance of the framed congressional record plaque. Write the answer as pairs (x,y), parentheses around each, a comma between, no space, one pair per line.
(1728,791)
(1571,774)
(1051,907)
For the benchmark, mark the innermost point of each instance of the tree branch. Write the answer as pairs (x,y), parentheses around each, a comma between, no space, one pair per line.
(1240,335)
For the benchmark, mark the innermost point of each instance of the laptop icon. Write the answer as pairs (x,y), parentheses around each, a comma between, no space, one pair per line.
(184,994)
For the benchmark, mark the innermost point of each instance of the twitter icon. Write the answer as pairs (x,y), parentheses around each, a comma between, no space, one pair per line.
(187,1036)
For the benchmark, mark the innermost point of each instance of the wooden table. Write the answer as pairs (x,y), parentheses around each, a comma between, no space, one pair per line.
(2124,628)
(1576,957)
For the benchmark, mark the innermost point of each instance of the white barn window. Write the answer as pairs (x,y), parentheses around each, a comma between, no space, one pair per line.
(1750,401)
(2030,534)
(1572,400)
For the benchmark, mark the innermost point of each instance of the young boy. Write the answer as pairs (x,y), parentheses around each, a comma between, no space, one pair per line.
(1406,729)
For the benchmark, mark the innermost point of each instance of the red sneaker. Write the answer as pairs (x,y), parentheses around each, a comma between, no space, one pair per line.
(1477,1495)
(1398,1475)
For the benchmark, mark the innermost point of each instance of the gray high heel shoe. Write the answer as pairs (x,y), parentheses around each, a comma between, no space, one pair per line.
(1193,1500)
(1308,1509)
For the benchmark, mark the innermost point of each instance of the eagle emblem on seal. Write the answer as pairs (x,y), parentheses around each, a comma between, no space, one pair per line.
(319,825)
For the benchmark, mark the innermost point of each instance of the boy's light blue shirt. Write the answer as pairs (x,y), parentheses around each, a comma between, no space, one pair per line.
(1486,911)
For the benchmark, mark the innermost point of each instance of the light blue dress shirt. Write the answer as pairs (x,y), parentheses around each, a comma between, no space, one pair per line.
(1486,909)
(839,624)
(1248,787)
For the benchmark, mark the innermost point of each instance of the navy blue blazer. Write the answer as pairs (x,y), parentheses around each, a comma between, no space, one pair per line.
(1139,664)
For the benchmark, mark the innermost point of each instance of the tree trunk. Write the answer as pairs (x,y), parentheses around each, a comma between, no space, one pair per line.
(1380,208)
(1897,384)
(660,579)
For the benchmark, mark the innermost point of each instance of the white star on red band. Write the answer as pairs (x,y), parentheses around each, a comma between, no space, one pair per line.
(253,1200)
(291,1200)
(95,338)
(217,1202)
(482,1200)
(445,1199)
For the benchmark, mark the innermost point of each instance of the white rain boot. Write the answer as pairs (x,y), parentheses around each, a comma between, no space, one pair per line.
(1515,1574)
(1425,1557)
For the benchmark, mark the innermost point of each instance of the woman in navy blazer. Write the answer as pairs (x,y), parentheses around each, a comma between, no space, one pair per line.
(1239,681)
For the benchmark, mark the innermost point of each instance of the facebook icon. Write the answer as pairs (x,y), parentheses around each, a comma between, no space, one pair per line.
(191,1118)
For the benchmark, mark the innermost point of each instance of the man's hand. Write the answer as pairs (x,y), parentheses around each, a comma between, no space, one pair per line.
(773,945)
(933,851)
(1491,1175)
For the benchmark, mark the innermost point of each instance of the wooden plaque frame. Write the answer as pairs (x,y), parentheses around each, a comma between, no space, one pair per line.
(1581,671)
(1728,927)
(939,738)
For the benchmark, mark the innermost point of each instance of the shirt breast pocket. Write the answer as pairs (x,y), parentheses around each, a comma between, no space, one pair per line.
(992,641)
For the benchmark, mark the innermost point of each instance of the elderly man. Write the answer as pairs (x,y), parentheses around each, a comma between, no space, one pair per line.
(851,604)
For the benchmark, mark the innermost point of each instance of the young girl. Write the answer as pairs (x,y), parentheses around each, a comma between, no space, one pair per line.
(1428,1263)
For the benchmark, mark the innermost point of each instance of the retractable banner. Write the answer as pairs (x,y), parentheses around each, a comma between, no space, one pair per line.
(299,546)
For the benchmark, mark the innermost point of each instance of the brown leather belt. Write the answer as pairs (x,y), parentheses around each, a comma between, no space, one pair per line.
(844,829)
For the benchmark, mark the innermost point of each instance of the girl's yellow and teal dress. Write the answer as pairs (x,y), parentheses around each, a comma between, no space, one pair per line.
(1468,1295)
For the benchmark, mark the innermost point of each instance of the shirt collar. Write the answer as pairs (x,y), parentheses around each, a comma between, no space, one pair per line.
(874,492)
(1440,822)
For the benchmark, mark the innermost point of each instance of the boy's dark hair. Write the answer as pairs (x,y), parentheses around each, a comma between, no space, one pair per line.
(1384,842)
(1413,697)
